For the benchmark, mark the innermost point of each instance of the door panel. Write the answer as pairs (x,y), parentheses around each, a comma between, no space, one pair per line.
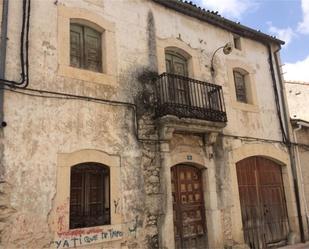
(262,201)
(249,202)
(176,64)
(178,86)
(188,207)
(273,201)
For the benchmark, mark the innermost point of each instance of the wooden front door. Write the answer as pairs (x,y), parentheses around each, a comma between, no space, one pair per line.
(262,200)
(178,86)
(188,208)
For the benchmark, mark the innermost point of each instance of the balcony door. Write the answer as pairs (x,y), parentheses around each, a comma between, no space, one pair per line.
(178,85)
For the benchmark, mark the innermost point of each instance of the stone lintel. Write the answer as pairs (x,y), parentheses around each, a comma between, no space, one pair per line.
(170,124)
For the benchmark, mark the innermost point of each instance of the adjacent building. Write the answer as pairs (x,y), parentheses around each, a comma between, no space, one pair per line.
(142,124)
(297,96)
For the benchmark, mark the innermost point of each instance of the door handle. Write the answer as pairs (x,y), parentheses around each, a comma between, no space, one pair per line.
(265,209)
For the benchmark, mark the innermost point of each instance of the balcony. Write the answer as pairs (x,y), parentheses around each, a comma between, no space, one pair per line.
(189,98)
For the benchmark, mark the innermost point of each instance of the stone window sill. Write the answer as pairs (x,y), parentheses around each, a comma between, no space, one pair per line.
(87,75)
(245,107)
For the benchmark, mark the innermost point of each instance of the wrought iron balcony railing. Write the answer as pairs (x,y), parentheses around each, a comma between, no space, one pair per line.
(189,98)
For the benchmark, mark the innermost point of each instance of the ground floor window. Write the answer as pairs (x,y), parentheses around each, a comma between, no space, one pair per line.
(89,195)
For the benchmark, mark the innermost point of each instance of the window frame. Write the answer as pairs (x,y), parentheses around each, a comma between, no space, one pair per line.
(108,75)
(252,104)
(240,77)
(177,46)
(60,213)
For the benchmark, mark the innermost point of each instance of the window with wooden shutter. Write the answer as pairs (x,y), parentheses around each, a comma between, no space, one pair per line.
(237,41)
(240,87)
(85,48)
(89,195)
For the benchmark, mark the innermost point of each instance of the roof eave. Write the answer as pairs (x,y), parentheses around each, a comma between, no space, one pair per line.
(217,20)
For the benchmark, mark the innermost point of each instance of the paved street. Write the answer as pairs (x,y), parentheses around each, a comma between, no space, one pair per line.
(297,246)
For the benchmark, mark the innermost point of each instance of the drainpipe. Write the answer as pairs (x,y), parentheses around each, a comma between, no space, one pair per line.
(3,39)
(283,105)
(300,125)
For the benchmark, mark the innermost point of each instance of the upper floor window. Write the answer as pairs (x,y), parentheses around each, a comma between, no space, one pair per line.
(240,86)
(85,48)
(237,42)
(89,195)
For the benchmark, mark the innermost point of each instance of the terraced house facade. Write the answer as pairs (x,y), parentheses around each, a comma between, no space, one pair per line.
(142,124)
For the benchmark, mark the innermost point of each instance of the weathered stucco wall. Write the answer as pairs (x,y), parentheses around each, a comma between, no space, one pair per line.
(297,95)
(41,128)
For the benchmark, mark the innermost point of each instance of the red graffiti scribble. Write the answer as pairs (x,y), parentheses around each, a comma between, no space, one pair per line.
(80,232)
(71,233)
(64,206)
(62,212)
(61,225)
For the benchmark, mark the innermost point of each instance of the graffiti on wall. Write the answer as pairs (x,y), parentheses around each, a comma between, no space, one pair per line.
(66,238)
(116,205)
(62,212)
(84,237)
(133,229)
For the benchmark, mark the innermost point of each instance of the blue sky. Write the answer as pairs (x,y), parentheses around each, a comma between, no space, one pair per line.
(287,19)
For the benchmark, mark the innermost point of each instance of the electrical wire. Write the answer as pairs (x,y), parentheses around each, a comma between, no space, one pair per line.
(266,140)
(24,49)
(61,95)
(27,44)
(67,96)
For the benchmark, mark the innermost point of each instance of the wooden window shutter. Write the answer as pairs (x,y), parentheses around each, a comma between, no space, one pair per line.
(77,198)
(92,50)
(168,62)
(240,87)
(76,46)
(95,197)
(89,201)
